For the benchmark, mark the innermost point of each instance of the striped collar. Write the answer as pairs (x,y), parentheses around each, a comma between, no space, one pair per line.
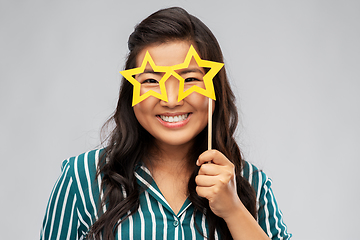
(146,181)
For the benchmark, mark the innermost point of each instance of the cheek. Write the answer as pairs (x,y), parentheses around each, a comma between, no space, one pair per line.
(200,104)
(144,109)
(198,101)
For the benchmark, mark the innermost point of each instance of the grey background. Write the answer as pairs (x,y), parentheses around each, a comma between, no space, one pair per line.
(294,66)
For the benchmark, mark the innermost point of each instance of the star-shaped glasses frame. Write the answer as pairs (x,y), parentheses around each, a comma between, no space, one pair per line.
(214,68)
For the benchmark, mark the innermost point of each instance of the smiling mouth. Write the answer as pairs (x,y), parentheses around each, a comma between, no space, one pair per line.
(174,119)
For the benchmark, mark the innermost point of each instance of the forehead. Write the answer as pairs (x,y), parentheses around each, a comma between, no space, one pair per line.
(166,54)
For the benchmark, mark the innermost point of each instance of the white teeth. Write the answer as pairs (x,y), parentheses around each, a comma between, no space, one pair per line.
(173,119)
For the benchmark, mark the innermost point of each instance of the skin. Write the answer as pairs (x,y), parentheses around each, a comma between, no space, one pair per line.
(216,182)
(169,54)
(170,168)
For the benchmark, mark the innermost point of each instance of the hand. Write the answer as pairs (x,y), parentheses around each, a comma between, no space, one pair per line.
(216,182)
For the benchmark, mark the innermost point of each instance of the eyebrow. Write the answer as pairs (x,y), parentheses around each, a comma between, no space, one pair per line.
(150,71)
(184,71)
(191,70)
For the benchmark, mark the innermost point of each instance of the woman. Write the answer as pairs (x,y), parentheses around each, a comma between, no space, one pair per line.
(155,179)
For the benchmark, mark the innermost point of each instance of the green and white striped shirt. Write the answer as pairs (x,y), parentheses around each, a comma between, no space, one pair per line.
(74,201)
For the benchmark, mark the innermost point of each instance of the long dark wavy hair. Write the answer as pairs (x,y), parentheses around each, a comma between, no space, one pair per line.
(129,141)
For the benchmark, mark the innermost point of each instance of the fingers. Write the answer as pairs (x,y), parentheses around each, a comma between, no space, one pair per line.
(213,156)
(214,168)
(210,169)
(206,192)
(205,181)
(216,182)
(213,178)
(212,187)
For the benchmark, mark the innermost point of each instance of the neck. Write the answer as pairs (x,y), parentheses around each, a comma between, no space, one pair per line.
(171,171)
(170,157)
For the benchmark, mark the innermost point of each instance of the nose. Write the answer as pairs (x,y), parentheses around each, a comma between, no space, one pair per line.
(172,91)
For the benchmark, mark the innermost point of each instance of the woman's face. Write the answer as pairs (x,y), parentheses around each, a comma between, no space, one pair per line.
(171,123)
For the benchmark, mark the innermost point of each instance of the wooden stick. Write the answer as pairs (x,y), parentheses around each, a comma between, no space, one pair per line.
(210,124)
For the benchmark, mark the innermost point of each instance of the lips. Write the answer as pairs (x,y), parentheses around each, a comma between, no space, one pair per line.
(174,119)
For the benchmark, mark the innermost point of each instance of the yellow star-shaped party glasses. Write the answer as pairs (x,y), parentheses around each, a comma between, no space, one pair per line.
(214,68)
(128,74)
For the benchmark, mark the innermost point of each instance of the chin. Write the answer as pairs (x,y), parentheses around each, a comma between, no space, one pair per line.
(176,141)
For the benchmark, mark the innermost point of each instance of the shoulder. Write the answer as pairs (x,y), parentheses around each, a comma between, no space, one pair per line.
(83,162)
(257,179)
(270,217)
(82,168)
